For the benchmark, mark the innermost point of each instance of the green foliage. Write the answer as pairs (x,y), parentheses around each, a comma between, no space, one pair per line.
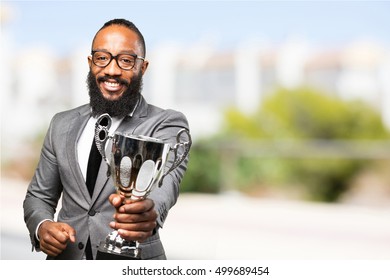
(325,179)
(305,114)
(203,170)
(299,115)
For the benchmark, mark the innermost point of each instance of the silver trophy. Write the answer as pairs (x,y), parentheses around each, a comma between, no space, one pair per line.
(137,165)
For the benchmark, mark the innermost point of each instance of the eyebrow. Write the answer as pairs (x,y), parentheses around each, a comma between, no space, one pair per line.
(121,52)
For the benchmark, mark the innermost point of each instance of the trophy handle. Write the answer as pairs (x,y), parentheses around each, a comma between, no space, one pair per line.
(178,158)
(102,127)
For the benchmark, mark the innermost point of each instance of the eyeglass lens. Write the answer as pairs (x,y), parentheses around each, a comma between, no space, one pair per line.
(124,61)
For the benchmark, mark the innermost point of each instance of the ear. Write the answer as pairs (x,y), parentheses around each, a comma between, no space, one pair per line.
(145,65)
(90,61)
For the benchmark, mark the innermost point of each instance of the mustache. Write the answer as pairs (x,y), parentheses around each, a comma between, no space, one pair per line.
(117,79)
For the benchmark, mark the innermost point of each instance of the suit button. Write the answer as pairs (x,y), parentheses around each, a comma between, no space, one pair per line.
(81,246)
(92,212)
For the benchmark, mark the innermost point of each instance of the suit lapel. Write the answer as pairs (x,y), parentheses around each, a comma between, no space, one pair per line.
(76,128)
(129,124)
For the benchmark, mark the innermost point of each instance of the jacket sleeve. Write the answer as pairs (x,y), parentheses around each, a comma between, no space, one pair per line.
(166,196)
(44,189)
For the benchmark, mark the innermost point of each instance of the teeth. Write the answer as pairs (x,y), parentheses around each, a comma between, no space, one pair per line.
(112,84)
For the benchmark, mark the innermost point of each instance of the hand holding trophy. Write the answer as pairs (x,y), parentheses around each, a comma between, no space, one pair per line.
(136,164)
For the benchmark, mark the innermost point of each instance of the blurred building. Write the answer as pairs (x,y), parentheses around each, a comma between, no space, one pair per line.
(201,80)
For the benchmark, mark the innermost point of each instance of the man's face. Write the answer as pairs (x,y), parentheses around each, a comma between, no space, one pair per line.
(112,82)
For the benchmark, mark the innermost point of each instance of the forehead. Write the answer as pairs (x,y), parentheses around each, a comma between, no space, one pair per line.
(116,39)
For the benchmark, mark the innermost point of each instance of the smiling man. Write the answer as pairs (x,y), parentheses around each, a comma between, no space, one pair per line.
(90,207)
(115,88)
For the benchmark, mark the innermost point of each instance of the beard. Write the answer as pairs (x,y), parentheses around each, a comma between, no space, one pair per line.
(115,108)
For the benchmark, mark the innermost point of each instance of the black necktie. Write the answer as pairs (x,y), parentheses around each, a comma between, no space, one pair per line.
(94,161)
(93,167)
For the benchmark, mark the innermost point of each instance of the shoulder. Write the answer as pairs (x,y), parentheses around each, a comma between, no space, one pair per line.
(167,116)
(157,122)
(67,115)
(153,111)
(168,113)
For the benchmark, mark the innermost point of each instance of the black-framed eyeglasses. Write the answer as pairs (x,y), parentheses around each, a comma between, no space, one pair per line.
(124,61)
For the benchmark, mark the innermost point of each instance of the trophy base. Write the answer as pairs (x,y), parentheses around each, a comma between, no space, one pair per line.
(109,252)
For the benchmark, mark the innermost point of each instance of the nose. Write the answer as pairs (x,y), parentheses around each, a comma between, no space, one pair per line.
(112,69)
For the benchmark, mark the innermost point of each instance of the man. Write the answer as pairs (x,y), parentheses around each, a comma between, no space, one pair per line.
(117,64)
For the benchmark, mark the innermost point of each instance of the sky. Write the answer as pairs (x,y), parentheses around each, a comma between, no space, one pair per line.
(62,25)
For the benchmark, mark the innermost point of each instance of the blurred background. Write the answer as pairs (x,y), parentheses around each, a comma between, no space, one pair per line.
(288,104)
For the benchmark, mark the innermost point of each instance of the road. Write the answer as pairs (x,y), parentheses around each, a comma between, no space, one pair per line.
(236,227)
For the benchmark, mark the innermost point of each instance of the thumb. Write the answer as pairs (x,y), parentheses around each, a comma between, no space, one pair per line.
(116,200)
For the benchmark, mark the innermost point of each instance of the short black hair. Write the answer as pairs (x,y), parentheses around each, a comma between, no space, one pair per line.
(129,25)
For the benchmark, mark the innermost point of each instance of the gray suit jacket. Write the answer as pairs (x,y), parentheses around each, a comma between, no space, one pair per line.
(58,173)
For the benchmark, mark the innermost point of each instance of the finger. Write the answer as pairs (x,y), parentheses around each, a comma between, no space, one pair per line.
(54,243)
(50,250)
(139,236)
(144,226)
(70,233)
(55,237)
(136,218)
(137,207)
(71,238)
(52,246)
(63,236)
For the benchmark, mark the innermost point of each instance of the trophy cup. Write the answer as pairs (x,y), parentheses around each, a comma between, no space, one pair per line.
(136,164)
